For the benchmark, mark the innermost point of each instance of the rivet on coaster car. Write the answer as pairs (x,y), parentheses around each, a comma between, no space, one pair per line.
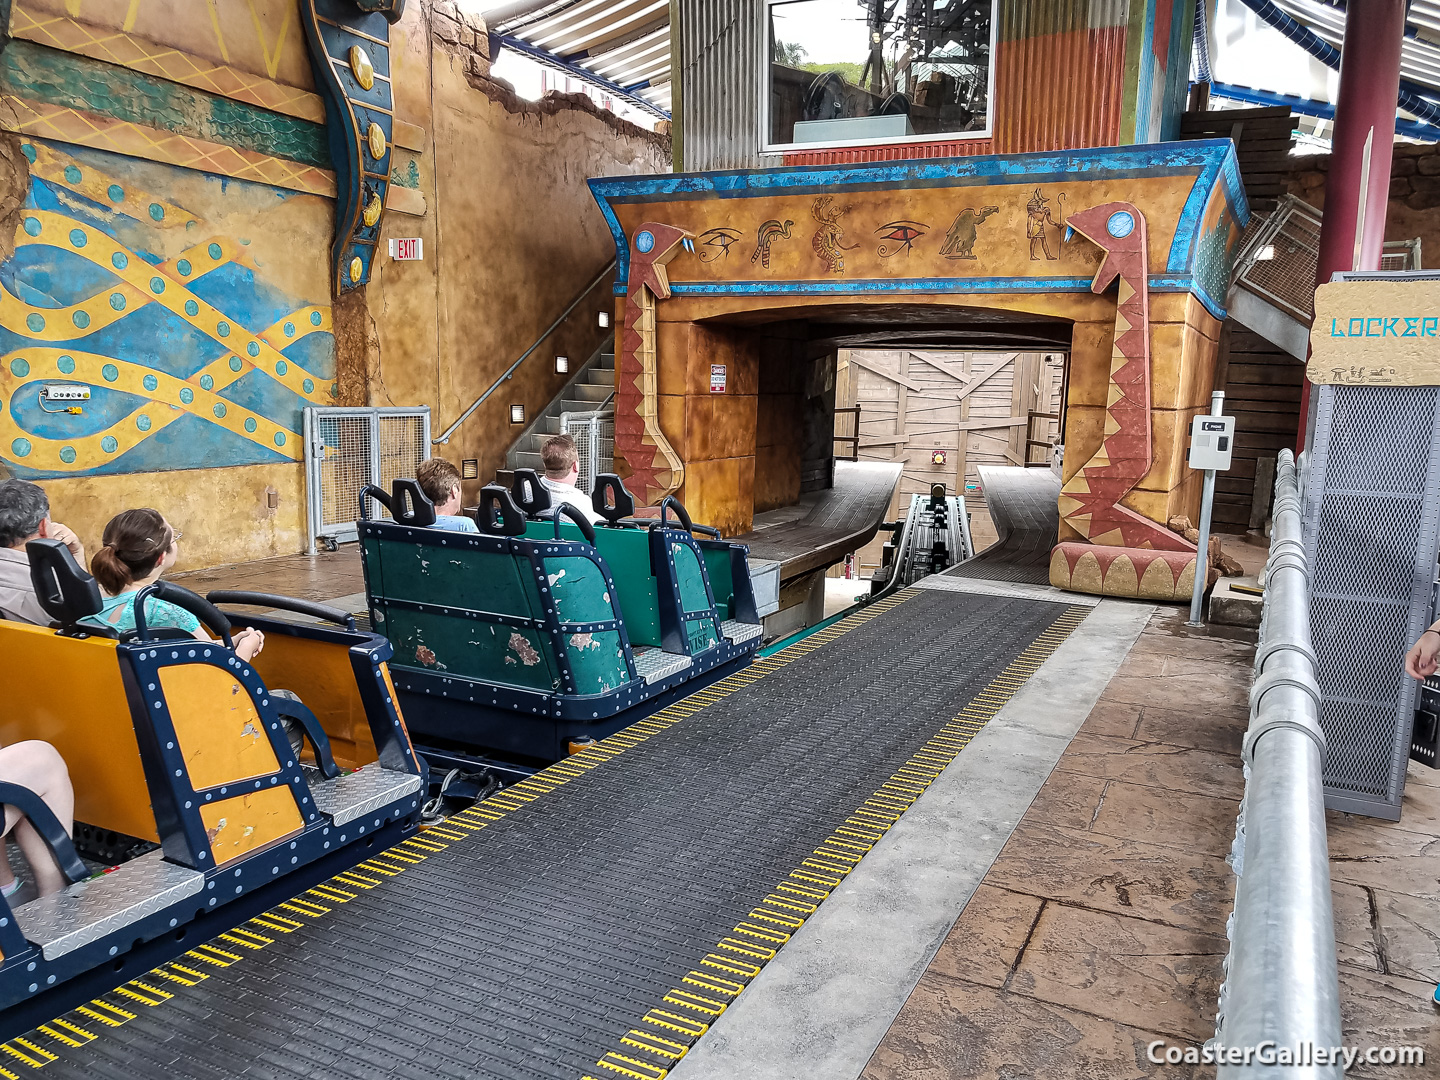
(181,749)
(544,631)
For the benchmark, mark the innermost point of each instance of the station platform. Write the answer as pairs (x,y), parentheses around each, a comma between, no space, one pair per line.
(974,830)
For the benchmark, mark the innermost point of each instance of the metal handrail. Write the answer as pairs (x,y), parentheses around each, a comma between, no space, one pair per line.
(1282,986)
(445,436)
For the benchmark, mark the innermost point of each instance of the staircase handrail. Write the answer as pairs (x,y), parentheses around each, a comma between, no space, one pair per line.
(510,371)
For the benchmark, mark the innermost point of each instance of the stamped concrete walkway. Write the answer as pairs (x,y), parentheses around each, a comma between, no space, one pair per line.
(1101,926)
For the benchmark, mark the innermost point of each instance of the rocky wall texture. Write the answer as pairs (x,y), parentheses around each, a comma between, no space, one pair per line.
(1414,193)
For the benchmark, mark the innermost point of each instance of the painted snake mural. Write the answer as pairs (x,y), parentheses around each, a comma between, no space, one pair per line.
(766,235)
(655,468)
(1090,499)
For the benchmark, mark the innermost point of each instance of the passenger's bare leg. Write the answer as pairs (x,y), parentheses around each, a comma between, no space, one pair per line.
(38,766)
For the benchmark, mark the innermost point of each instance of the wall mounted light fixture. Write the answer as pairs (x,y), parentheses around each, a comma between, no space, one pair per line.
(517,414)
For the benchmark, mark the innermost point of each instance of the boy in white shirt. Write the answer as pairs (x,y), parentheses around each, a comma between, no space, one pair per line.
(562,469)
(440,481)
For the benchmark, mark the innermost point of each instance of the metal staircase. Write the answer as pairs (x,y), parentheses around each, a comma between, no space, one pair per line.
(1272,290)
(582,407)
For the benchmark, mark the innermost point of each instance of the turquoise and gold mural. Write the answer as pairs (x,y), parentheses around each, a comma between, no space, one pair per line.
(200,343)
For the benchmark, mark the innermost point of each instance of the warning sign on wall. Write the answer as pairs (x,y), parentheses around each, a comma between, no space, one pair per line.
(717,378)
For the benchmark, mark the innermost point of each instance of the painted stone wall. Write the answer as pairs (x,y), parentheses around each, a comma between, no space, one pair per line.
(1414,193)
(159,262)
(170,198)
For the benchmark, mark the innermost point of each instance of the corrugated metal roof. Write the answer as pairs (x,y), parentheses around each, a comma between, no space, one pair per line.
(622,44)
(1419,53)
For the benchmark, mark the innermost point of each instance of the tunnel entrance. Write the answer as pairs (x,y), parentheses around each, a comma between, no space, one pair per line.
(840,412)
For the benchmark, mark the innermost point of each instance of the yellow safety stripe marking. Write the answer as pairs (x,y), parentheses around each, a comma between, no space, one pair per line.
(305,908)
(228,958)
(74,1029)
(425,844)
(112,1010)
(687,1000)
(842,851)
(246,937)
(144,999)
(267,920)
(675,1022)
(357,881)
(60,1036)
(28,1052)
(631,1067)
(182,979)
(706,981)
(643,1040)
(448,834)
(236,939)
(762,933)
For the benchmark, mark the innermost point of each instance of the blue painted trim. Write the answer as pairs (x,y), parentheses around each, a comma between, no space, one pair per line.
(1309,107)
(874,286)
(1206,159)
(560,63)
(1411,96)
(1145,90)
(952,286)
(1168,283)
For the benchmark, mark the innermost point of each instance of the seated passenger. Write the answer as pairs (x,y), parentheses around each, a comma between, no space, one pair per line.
(25,516)
(562,469)
(139,546)
(39,767)
(441,483)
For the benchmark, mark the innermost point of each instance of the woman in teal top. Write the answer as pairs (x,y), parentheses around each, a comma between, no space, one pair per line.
(139,546)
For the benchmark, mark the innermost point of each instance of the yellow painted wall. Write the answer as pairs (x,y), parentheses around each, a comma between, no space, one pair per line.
(224,513)
(262,37)
(512,236)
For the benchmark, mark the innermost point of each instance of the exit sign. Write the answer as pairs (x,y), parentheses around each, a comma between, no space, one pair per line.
(407,248)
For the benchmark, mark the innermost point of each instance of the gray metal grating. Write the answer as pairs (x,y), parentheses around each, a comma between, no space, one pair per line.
(1372,532)
(347,448)
(594,435)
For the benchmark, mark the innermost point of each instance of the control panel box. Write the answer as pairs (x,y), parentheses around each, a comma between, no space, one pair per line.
(1212,442)
(64,392)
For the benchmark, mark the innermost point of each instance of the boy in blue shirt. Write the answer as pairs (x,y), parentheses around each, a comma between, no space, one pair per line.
(440,481)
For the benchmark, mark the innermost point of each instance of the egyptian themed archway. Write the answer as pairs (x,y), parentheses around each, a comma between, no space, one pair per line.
(1131,246)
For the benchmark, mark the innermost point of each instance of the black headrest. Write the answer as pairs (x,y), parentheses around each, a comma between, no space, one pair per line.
(497,514)
(66,591)
(610,499)
(530,494)
(411,506)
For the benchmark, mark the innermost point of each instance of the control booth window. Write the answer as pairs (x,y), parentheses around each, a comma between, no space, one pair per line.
(858,72)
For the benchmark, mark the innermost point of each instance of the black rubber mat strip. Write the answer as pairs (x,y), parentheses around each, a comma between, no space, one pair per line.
(595,918)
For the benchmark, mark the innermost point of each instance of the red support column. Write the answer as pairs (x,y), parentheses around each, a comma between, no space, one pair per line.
(1369,85)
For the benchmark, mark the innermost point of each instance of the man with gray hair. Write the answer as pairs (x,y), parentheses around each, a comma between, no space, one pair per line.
(25,516)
